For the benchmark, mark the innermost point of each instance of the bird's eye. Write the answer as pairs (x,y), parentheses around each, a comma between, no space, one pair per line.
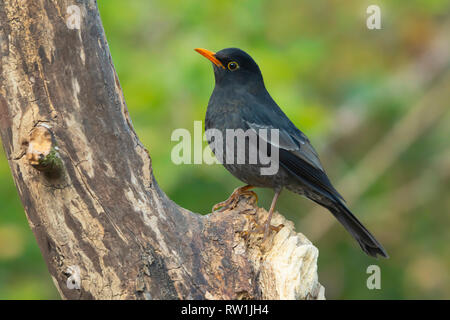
(233,65)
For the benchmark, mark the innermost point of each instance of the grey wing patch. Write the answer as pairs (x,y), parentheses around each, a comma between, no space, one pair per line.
(309,154)
(297,143)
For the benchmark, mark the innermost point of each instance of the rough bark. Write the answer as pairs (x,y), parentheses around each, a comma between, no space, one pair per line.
(104,227)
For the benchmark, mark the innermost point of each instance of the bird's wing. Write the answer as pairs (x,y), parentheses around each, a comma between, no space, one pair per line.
(296,154)
(296,143)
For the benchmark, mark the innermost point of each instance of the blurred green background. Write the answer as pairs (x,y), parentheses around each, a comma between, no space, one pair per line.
(375,103)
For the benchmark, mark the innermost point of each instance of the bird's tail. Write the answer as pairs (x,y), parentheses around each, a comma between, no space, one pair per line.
(365,239)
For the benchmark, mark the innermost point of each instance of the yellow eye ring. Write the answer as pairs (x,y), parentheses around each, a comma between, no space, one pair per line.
(233,65)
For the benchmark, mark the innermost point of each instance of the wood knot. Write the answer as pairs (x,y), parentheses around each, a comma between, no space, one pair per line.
(42,152)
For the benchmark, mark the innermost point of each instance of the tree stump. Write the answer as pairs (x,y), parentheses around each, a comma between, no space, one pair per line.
(104,227)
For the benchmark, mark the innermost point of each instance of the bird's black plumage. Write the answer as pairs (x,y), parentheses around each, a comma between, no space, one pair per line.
(240,101)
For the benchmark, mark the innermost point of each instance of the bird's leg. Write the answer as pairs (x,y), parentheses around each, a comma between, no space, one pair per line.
(267,226)
(233,200)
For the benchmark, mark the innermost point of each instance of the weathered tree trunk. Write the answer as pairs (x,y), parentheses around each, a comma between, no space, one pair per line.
(104,227)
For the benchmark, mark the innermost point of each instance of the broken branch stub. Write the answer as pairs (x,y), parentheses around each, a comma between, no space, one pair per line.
(42,152)
(285,262)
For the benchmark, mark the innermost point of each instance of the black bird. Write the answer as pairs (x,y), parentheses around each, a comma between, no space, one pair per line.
(240,101)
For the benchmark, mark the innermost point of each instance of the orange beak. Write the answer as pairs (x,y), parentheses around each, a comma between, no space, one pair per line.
(211,56)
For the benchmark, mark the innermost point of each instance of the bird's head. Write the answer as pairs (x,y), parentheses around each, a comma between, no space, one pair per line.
(233,66)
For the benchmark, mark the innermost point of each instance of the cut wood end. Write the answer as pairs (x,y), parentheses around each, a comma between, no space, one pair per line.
(286,260)
(290,264)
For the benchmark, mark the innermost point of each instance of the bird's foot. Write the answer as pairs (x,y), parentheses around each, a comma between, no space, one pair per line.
(250,211)
(233,200)
(264,229)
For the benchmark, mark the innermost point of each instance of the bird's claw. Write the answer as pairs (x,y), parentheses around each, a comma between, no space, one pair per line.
(264,229)
(221,205)
(250,211)
(233,200)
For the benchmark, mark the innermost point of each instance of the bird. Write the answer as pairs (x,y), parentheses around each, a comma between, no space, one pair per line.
(240,100)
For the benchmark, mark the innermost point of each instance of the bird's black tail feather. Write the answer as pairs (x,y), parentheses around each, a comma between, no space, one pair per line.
(365,239)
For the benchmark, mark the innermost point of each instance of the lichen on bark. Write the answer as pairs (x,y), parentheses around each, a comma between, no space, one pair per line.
(43,153)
